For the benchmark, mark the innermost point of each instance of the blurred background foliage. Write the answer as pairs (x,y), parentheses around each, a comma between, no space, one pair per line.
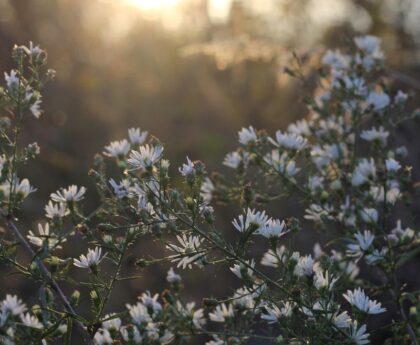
(191,72)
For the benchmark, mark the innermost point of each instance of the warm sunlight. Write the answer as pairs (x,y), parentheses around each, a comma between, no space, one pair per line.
(154,5)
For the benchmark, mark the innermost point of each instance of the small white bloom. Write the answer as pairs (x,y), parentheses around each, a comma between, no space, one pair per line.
(122,189)
(151,301)
(102,337)
(172,277)
(398,234)
(365,170)
(400,97)
(375,134)
(31,321)
(363,243)
(222,312)
(359,335)
(247,135)
(342,320)
(378,101)
(112,322)
(289,141)
(362,302)
(54,211)
(131,333)
(305,266)
(13,305)
(12,80)
(139,313)
(232,160)
(243,271)
(188,252)
(44,237)
(117,149)
(300,127)
(187,169)
(146,157)
(392,165)
(273,228)
(206,191)
(336,60)
(369,215)
(71,194)
(91,259)
(255,219)
(137,137)
(324,280)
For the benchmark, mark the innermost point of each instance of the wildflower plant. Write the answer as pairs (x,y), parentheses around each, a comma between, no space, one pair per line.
(341,163)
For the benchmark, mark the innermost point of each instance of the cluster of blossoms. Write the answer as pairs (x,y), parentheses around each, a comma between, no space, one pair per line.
(339,163)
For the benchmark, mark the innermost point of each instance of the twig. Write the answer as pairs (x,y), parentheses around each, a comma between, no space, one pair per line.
(51,281)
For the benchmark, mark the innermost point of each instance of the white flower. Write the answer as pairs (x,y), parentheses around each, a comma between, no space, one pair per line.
(13,305)
(300,127)
(112,322)
(53,211)
(151,301)
(392,165)
(305,266)
(398,234)
(342,320)
(187,169)
(137,137)
(12,80)
(324,280)
(117,149)
(35,108)
(43,237)
(359,335)
(370,45)
(172,277)
(247,135)
(378,101)
(400,97)
(131,333)
(188,252)
(139,313)
(91,259)
(273,228)
(243,271)
(102,337)
(71,194)
(336,60)
(232,160)
(206,191)
(32,50)
(358,299)
(188,311)
(122,189)
(317,213)
(146,157)
(273,259)
(255,219)
(369,215)
(21,189)
(31,321)
(289,141)
(375,134)
(365,170)
(364,241)
(376,256)
(222,312)
(282,163)
(274,313)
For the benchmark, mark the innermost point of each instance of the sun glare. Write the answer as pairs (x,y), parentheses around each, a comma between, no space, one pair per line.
(154,5)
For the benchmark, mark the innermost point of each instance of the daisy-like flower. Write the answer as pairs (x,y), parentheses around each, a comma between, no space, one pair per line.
(363,242)
(187,169)
(91,259)
(145,158)
(188,311)
(372,134)
(369,44)
(378,101)
(35,108)
(324,280)
(32,50)
(172,277)
(274,313)
(304,266)
(131,333)
(137,137)
(232,160)
(117,149)
(362,302)
(300,127)
(289,141)
(71,194)
(31,321)
(342,320)
(139,313)
(206,190)
(188,252)
(12,305)
(273,228)
(43,237)
(254,220)
(282,163)
(247,135)
(103,337)
(151,301)
(400,97)
(392,165)
(222,312)
(21,189)
(369,215)
(12,80)
(359,335)
(336,60)
(112,322)
(398,234)
(55,211)
(365,170)
(243,271)
(122,189)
